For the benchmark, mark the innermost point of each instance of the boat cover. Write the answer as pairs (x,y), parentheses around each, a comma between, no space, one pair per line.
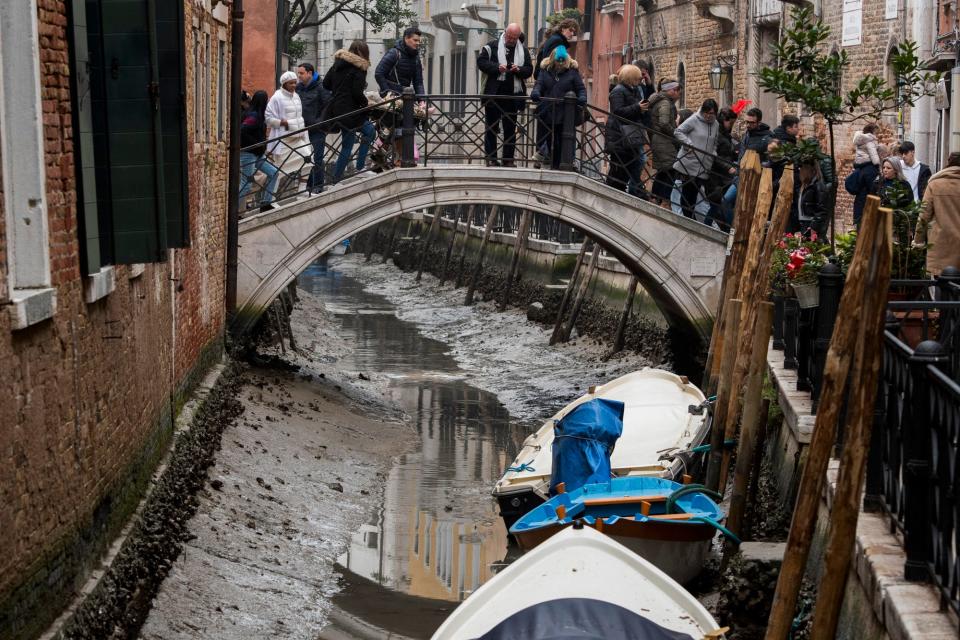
(579,619)
(583,441)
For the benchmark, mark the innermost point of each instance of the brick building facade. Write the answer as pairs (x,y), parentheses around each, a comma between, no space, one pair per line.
(112,230)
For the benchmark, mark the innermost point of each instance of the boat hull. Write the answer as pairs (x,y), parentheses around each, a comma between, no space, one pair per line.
(514,506)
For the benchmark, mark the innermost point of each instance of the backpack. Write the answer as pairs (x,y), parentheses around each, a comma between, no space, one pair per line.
(852,183)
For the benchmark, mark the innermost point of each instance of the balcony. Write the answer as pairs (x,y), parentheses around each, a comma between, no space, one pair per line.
(766,13)
(944,53)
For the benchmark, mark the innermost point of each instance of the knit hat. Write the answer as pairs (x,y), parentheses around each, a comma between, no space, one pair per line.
(287,77)
(560,53)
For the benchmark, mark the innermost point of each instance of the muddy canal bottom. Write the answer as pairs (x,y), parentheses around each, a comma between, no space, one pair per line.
(437,536)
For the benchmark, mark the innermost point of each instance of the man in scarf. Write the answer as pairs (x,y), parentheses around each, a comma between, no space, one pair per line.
(505,65)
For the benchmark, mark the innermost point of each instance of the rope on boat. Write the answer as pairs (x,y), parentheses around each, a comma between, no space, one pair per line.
(727,444)
(523,467)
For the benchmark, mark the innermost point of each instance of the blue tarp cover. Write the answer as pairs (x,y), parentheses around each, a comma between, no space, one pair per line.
(582,443)
(579,619)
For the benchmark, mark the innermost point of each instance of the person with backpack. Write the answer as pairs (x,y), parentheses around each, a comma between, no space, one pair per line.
(505,65)
(400,68)
(625,135)
(866,167)
(253,158)
(313,100)
(346,81)
(559,36)
(558,75)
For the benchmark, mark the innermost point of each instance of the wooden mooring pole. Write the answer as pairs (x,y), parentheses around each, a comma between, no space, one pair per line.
(620,338)
(453,242)
(428,241)
(372,243)
(393,232)
(568,292)
(717,430)
(518,249)
(478,267)
(581,294)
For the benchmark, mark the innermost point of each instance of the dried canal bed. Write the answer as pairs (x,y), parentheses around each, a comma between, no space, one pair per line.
(321,479)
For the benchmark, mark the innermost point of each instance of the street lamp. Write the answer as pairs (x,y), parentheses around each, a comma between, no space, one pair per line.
(718,77)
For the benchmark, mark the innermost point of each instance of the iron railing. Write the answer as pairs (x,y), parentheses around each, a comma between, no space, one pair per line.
(415,130)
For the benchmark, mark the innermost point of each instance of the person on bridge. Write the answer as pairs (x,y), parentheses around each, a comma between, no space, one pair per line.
(625,134)
(253,142)
(724,170)
(560,36)
(940,220)
(313,99)
(287,149)
(698,134)
(558,76)
(399,68)
(663,121)
(346,80)
(506,65)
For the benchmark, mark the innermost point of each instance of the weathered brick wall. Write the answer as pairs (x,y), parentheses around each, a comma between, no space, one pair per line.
(87,397)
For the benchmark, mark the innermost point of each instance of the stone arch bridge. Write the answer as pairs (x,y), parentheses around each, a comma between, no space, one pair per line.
(677,260)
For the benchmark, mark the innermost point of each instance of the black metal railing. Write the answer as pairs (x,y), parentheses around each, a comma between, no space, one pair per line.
(412,130)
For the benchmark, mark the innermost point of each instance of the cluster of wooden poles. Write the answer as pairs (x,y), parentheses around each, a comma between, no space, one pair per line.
(573,296)
(736,367)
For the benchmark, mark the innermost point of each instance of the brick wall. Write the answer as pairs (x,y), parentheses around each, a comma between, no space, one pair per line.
(88,396)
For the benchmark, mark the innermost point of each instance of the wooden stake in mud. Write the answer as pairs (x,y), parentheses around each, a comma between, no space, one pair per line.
(393,233)
(518,248)
(620,338)
(715,460)
(463,253)
(751,420)
(749,180)
(374,236)
(757,463)
(453,242)
(835,372)
(860,413)
(558,323)
(487,230)
(581,294)
(428,241)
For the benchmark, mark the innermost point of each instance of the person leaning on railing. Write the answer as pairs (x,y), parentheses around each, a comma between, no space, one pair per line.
(399,68)
(253,141)
(558,76)
(699,134)
(347,81)
(625,135)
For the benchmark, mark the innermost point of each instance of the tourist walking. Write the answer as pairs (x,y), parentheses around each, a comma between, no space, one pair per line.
(505,65)
(892,186)
(625,135)
(313,99)
(755,138)
(399,68)
(866,166)
(811,198)
(288,147)
(558,76)
(724,170)
(346,81)
(698,135)
(939,222)
(663,122)
(917,173)
(253,158)
(559,36)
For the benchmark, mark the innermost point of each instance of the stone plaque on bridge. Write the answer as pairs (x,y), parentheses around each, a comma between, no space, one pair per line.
(704,267)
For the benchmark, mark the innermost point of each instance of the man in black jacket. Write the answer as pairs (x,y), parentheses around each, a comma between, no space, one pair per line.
(400,66)
(506,65)
(313,99)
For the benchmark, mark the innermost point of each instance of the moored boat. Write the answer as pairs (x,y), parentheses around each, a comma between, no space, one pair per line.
(670,524)
(664,417)
(580,584)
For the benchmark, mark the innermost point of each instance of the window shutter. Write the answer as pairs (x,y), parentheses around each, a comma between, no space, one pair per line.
(170,56)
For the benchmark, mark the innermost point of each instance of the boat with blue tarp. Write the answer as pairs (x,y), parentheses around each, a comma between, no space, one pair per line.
(668,523)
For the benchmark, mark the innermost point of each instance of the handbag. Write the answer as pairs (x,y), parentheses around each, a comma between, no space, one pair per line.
(852,183)
(632,136)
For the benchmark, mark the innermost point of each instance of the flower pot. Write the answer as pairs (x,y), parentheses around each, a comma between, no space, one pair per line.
(808,295)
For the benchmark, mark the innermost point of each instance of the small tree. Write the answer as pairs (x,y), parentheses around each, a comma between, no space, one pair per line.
(804,72)
(302,14)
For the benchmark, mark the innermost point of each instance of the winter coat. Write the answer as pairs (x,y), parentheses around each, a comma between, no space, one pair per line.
(554,82)
(399,68)
(663,122)
(781,134)
(489,63)
(549,45)
(720,177)
(313,99)
(865,147)
(939,223)
(284,105)
(701,135)
(895,193)
(625,104)
(923,177)
(346,81)
(756,140)
(812,207)
(253,131)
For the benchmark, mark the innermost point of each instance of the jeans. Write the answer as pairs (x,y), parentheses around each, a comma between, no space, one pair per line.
(315,180)
(549,141)
(497,113)
(347,137)
(868,173)
(249,165)
(689,194)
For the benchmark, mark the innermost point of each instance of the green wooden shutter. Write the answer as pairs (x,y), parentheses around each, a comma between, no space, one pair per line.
(170,55)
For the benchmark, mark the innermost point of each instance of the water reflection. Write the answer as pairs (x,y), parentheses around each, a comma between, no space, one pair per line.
(437,534)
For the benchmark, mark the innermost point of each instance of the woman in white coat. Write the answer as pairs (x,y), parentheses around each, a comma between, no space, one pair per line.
(285,115)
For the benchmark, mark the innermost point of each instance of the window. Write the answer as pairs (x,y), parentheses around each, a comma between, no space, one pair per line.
(222,100)
(130,143)
(206,88)
(24,167)
(197,87)
(442,76)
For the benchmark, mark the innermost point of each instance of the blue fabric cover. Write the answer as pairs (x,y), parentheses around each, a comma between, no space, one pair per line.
(579,619)
(582,443)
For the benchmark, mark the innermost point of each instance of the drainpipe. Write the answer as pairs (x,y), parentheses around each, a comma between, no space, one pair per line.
(955,110)
(920,114)
(233,188)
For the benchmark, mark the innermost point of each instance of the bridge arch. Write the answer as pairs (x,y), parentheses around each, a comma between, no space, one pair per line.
(678,261)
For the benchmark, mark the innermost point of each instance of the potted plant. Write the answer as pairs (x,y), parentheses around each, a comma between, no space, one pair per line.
(796,264)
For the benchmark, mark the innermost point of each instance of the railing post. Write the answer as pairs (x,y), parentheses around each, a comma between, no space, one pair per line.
(873,499)
(777,299)
(916,465)
(791,313)
(830,279)
(568,132)
(408,128)
(947,283)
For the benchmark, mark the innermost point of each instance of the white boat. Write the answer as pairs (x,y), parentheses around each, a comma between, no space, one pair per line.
(658,423)
(580,581)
